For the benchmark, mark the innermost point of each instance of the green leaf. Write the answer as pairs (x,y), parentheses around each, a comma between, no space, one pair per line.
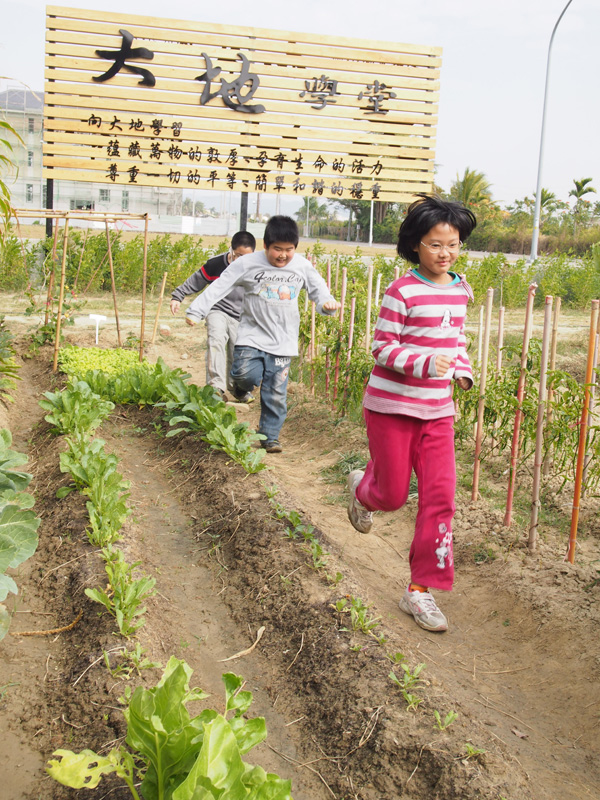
(18,529)
(4,619)
(81,770)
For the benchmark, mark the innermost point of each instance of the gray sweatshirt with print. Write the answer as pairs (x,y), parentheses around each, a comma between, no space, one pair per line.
(270,319)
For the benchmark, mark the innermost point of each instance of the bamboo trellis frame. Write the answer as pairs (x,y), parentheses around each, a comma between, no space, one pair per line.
(92,216)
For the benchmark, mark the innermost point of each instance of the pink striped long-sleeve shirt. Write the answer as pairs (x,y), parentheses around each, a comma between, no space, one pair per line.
(418,321)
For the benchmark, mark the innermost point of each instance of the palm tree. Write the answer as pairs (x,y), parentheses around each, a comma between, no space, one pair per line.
(581,187)
(473,187)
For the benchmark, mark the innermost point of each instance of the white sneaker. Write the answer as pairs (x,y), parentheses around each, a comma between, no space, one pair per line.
(359,516)
(424,609)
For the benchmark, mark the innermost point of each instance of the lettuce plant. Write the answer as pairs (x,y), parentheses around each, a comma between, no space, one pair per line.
(181,757)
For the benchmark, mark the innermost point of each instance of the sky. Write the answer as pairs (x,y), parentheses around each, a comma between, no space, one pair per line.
(492,77)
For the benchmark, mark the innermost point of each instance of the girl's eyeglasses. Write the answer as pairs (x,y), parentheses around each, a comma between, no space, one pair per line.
(437,248)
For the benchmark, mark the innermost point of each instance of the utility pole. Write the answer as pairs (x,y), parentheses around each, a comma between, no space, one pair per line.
(538,191)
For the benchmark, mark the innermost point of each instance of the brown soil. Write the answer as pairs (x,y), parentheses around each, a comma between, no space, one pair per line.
(519,664)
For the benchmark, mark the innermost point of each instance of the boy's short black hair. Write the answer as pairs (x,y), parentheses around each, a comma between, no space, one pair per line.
(424,214)
(281,229)
(243,239)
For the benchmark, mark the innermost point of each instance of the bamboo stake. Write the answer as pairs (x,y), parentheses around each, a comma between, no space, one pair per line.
(514,454)
(500,339)
(144,280)
(160,299)
(539,433)
(349,356)
(593,391)
(583,433)
(499,347)
(80,260)
(51,277)
(61,295)
(369,303)
(312,347)
(377,289)
(396,273)
(552,367)
(489,301)
(87,288)
(480,335)
(327,364)
(112,283)
(337,271)
(341,329)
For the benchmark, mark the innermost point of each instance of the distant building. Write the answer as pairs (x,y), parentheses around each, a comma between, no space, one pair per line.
(24,110)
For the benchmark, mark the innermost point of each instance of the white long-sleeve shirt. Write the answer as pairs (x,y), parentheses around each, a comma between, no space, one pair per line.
(270,320)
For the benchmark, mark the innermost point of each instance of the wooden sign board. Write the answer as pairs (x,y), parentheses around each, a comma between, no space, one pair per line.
(161,102)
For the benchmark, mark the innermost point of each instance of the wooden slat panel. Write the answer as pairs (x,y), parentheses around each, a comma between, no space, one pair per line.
(395,147)
(71,16)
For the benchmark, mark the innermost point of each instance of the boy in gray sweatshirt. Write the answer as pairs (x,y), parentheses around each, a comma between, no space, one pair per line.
(267,336)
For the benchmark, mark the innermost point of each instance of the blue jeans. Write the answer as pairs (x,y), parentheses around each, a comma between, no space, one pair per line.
(252,368)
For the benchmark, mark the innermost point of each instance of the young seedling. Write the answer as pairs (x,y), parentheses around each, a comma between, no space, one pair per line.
(473,752)
(407,681)
(440,724)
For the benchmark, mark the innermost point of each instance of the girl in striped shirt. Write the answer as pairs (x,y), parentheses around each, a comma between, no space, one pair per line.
(419,348)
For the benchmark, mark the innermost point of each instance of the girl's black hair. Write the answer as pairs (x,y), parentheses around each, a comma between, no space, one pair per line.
(424,214)
(281,229)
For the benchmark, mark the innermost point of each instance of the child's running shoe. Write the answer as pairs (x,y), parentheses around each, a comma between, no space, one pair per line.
(424,609)
(241,396)
(359,516)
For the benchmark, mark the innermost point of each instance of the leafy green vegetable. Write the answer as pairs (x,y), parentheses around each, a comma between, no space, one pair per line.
(76,361)
(182,757)
(124,596)
(76,409)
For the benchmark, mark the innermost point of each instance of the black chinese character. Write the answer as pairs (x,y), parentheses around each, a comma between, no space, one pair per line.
(133,173)
(298,162)
(213,155)
(356,190)
(134,150)
(112,149)
(212,177)
(280,160)
(193,177)
(232,158)
(339,165)
(358,165)
(120,56)
(318,186)
(115,124)
(261,182)
(279,182)
(155,151)
(231,179)
(375,189)
(323,89)
(297,186)
(112,172)
(174,176)
(378,93)
(176,128)
(262,158)
(175,152)
(376,169)
(319,163)
(136,125)
(157,126)
(231,91)
(94,120)
(337,189)
(195,155)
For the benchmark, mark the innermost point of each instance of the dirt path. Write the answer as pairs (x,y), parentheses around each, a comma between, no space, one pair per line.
(525,694)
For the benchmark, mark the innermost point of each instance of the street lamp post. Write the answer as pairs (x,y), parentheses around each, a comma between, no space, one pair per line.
(538,191)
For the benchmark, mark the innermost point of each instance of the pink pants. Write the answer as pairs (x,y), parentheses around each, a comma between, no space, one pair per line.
(399,444)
